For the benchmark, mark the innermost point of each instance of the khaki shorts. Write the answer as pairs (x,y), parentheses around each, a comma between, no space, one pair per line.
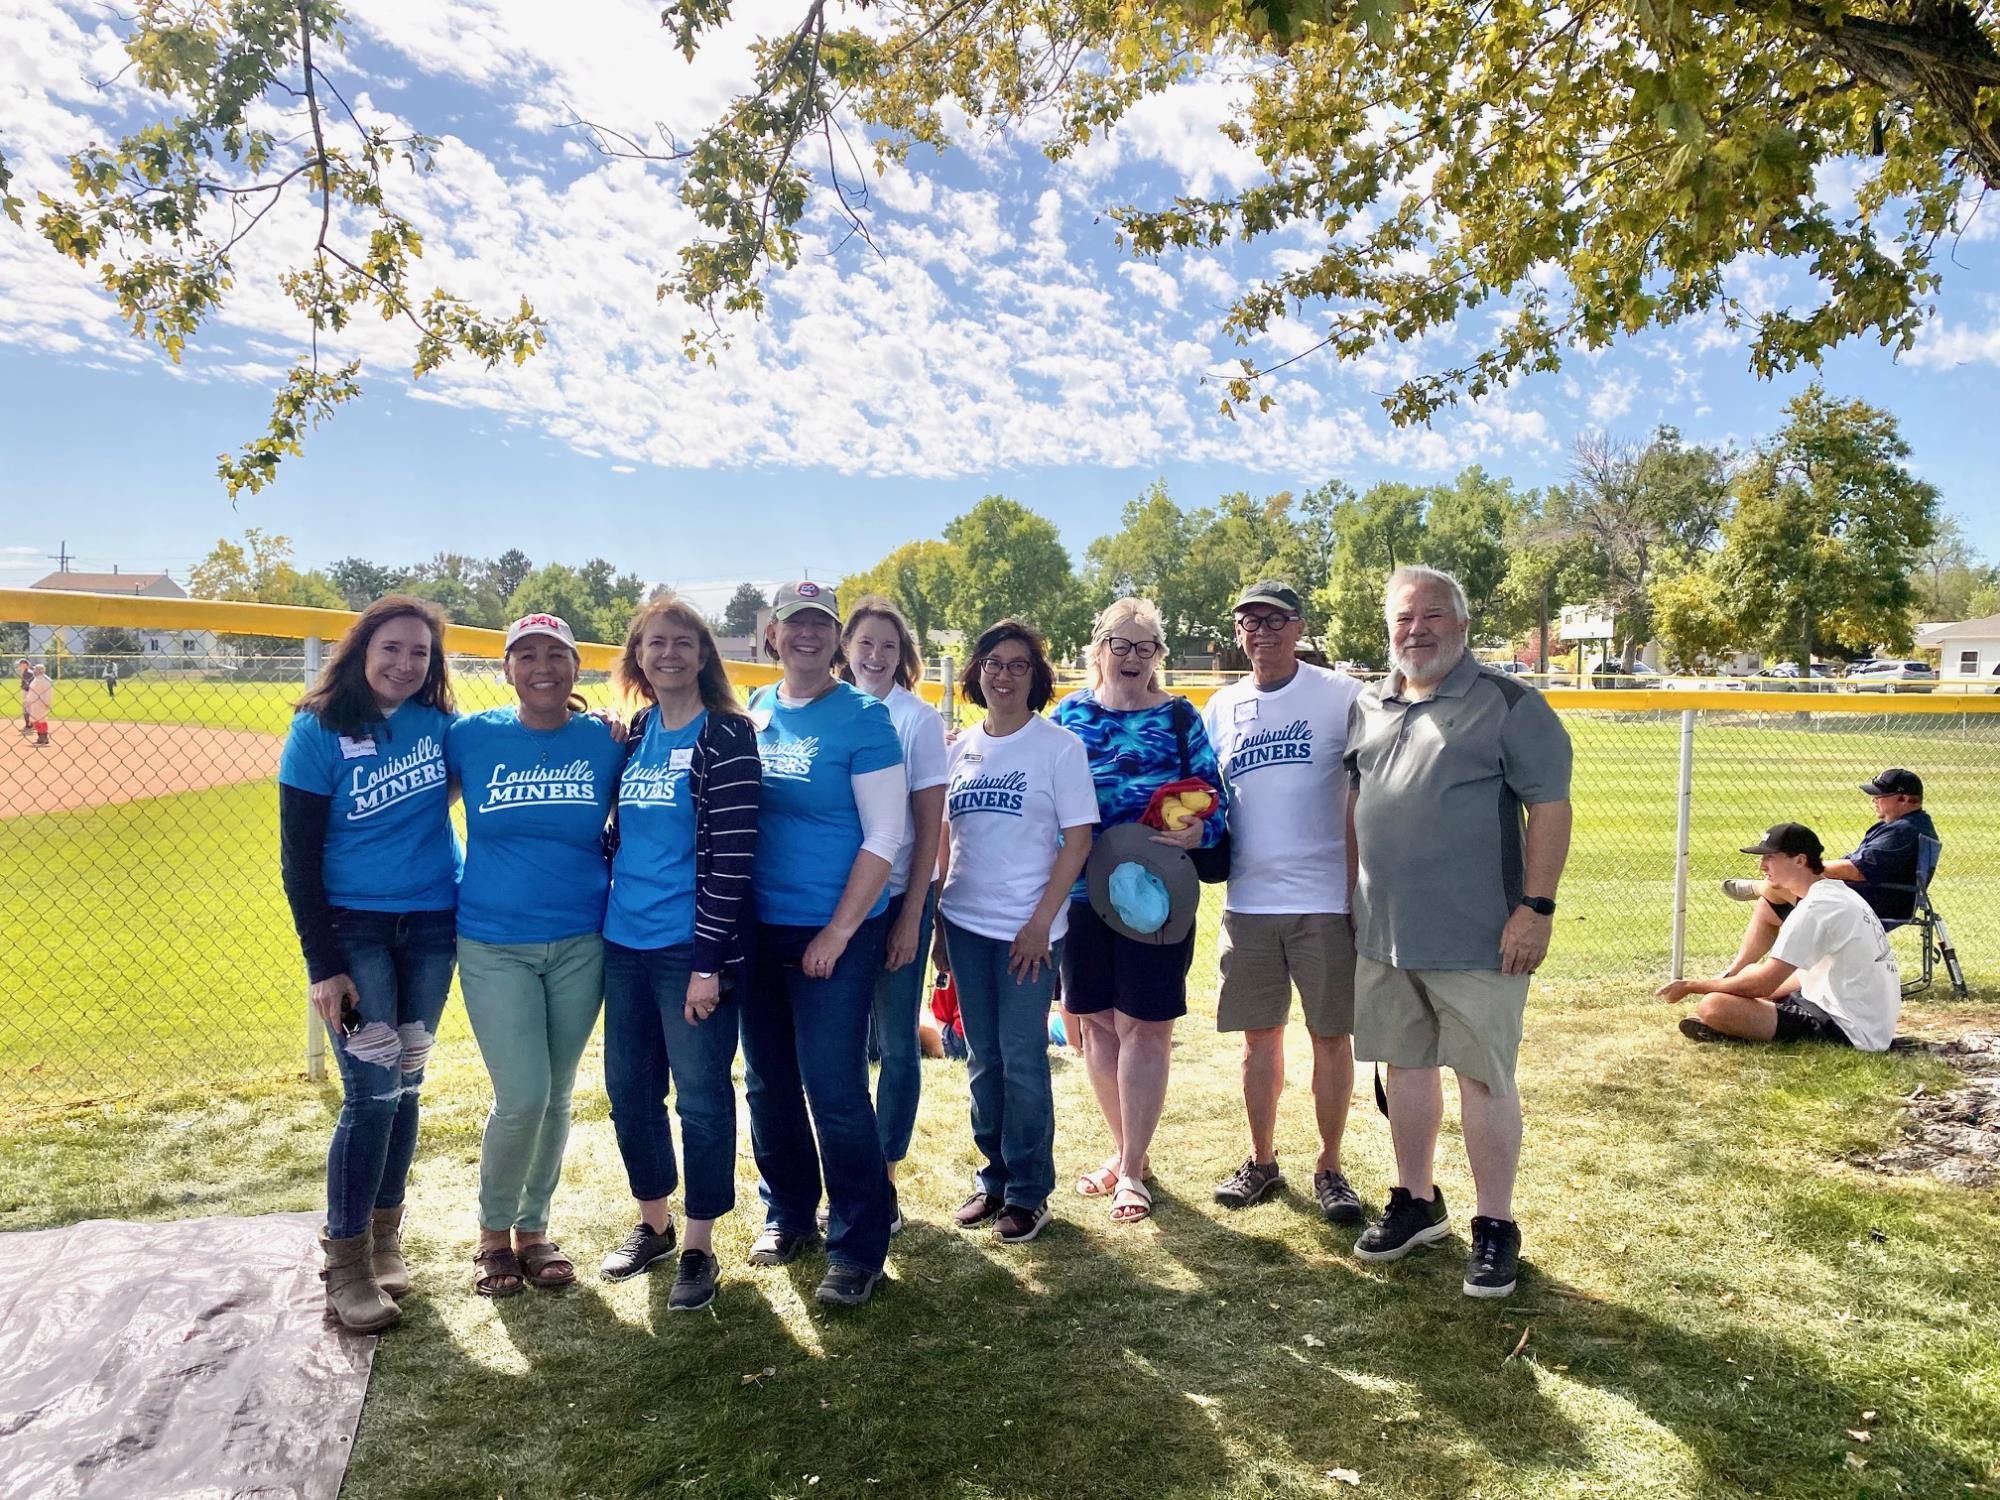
(1468,1020)
(1264,954)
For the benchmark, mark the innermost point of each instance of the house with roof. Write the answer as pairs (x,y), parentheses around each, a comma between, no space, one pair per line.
(1967,651)
(159,646)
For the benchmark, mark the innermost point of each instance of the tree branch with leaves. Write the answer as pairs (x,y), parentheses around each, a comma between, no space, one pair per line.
(161,214)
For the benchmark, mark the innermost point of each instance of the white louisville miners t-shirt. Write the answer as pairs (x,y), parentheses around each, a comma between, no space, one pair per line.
(1008,801)
(1281,755)
(1836,942)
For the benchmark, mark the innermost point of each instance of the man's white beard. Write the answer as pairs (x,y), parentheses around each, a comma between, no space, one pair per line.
(1447,658)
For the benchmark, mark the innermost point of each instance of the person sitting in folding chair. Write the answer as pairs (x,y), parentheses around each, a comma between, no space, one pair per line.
(1829,977)
(1883,869)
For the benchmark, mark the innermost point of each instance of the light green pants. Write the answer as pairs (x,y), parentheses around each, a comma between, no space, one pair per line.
(532,1008)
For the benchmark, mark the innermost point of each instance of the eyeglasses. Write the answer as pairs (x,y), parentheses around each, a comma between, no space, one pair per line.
(992,666)
(1266,624)
(1144,650)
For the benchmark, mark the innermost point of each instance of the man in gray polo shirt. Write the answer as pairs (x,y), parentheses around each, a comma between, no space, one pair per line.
(1458,826)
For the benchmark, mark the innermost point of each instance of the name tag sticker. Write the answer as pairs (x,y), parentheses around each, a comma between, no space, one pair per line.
(1246,711)
(971,758)
(355,749)
(681,759)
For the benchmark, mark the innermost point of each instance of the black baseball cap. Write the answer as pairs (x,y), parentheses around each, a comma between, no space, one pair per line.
(1787,838)
(1895,782)
(1271,591)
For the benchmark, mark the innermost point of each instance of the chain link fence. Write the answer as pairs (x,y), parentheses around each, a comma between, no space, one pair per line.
(149,944)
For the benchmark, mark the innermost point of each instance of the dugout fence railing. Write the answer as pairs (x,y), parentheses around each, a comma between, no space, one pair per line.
(148,945)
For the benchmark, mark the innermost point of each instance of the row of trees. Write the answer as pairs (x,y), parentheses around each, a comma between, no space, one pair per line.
(1818,542)
(595,598)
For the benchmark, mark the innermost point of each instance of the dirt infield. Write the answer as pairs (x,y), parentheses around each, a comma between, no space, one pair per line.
(88,765)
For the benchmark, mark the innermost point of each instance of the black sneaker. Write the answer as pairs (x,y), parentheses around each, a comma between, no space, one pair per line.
(1495,1262)
(641,1249)
(694,1282)
(1697,1030)
(845,1285)
(1405,1225)
(1017,1225)
(780,1247)
(1249,1183)
(1337,1200)
(979,1209)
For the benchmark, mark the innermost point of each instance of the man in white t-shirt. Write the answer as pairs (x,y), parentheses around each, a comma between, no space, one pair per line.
(1829,977)
(1279,735)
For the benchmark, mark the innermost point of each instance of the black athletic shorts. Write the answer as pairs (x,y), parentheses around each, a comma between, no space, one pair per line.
(1799,1020)
(1105,970)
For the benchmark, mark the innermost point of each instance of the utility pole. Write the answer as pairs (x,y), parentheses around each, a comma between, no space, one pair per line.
(60,557)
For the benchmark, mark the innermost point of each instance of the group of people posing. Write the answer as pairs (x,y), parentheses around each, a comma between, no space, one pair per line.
(711,873)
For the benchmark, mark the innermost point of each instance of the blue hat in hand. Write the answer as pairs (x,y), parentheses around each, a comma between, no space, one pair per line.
(1145,891)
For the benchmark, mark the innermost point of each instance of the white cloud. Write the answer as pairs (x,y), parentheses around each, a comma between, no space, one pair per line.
(1943,345)
(1612,397)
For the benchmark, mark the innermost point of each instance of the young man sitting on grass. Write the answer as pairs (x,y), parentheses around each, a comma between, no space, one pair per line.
(1829,977)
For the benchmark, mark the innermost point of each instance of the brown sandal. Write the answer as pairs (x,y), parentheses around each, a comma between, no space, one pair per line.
(546,1265)
(497,1273)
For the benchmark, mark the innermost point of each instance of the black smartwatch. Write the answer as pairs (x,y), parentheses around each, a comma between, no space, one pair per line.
(1541,906)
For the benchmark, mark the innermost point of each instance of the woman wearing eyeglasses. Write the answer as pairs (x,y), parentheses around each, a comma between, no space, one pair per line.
(1129,994)
(1019,807)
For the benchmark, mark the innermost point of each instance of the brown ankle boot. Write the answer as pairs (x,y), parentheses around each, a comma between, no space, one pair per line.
(351,1293)
(392,1272)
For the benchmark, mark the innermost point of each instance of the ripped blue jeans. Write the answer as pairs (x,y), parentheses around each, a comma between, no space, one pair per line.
(401,963)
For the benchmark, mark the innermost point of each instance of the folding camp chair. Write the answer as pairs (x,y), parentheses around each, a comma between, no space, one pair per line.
(1932,935)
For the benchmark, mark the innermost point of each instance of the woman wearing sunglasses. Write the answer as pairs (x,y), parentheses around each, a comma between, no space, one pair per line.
(1128,994)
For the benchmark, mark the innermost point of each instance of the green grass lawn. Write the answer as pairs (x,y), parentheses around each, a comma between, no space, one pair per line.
(1717,1299)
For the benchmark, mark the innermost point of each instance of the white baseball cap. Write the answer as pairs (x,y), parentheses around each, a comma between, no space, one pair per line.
(553,625)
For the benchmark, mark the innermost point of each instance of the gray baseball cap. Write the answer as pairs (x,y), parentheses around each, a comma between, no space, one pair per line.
(794,598)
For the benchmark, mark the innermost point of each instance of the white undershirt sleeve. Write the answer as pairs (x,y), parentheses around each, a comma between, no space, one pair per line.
(882,798)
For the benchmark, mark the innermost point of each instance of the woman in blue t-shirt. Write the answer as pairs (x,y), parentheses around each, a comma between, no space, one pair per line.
(835,811)
(1129,994)
(673,938)
(538,782)
(371,869)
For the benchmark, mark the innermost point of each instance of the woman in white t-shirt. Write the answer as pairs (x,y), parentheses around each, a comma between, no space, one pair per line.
(881,659)
(1019,809)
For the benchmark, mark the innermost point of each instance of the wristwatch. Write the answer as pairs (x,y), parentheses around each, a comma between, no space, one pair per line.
(699,975)
(1541,906)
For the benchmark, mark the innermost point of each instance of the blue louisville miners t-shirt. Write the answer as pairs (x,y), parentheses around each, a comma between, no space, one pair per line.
(389,844)
(535,805)
(808,829)
(652,879)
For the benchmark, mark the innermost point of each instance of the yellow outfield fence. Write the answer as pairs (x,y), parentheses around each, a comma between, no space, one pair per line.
(148,943)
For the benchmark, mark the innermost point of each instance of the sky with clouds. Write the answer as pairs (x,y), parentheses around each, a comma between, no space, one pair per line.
(992,340)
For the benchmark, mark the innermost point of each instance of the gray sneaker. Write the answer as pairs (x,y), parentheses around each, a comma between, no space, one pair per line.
(1741,890)
(641,1249)
(847,1285)
(1250,1183)
(1336,1198)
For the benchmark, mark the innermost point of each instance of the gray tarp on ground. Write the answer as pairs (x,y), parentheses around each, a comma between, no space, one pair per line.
(173,1360)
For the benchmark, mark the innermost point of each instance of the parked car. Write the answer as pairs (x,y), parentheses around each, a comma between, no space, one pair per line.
(1609,674)
(1887,675)
(1783,677)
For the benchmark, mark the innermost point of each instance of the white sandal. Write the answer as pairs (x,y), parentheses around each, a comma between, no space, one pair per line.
(1131,1213)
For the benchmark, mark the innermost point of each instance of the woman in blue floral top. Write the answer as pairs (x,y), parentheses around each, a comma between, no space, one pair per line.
(1129,994)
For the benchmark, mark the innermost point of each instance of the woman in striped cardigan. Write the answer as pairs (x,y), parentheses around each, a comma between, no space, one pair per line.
(685,831)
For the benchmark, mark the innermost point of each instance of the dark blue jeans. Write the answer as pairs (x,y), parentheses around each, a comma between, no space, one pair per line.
(1007,1039)
(648,1044)
(401,963)
(892,1034)
(805,1044)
